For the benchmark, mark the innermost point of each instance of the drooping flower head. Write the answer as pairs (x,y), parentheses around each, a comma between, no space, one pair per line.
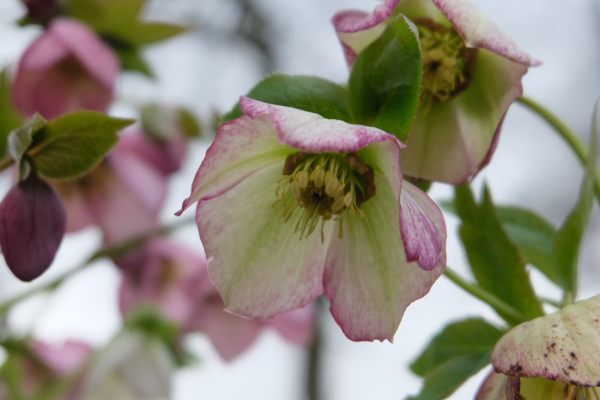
(175,281)
(471,74)
(67,68)
(292,205)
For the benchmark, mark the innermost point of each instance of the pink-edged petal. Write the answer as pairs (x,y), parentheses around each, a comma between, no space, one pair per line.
(90,51)
(259,264)
(479,31)
(311,133)
(499,387)
(229,334)
(563,346)
(356,30)
(297,326)
(240,148)
(64,359)
(451,141)
(367,278)
(422,226)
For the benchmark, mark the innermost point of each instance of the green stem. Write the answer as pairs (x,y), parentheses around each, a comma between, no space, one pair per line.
(6,162)
(112,251)
(570,137)
(484,296)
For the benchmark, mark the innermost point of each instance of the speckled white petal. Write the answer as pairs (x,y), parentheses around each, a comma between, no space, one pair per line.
(563,346)
(479,31)
(257,261)
(451,141)
(311,133)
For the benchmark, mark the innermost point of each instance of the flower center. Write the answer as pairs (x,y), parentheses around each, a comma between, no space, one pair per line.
(323,187)
(447,63)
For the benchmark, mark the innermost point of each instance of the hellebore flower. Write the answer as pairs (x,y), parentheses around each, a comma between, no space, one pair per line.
(134,366)
(32,225)
(124,195)
(66,69)
(175,281)
(291,205)
(43,367)
(471,74)
(550,357)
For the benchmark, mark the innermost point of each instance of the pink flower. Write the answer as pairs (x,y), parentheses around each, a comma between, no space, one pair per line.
(124,195)
(66,69)
(175,281)
(292,205)
(471,74)
(43,368)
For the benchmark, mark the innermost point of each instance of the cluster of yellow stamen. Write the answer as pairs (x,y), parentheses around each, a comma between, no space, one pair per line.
(323,187)
(447,62)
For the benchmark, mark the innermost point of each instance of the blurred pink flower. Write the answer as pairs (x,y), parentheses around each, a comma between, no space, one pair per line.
(43,368)
(66,69)
(124,195)
(175,281)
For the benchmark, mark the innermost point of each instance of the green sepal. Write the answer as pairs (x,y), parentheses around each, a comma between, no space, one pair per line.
(307,93)
(385,80)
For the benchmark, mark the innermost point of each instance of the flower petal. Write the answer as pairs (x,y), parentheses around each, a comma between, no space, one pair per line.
(422,226)
(310,132)
(240,148)
(367,278)
(563,346)
(259,264)
(499,387)
(451,141)
(297,326)
(64,359)
(479,31)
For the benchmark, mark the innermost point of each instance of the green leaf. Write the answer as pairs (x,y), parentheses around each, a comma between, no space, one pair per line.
(534,237)
(21,138)
(459,351)
(10,118)
(73,144)
(307,93)
(470,336)
(385,80)
(131,59)
(568,239)
(106,16)
(445,379)
(495,261)
(144,33)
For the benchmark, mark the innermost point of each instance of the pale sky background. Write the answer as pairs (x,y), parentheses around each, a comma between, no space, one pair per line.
(532,167)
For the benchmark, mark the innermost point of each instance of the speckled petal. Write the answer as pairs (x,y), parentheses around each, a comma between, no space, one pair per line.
(310,132)
(563,346)
(479,31)
(451,141)
(499,387)
(423,228)
(368,279)
(257,261)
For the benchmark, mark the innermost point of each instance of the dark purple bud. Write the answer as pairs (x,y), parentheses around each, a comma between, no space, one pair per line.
(32,224)
(42,11)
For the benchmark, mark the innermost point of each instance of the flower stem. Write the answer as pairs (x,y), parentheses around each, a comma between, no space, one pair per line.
(484,296)
(570,137)
(106,251)
(6,162)
(313,362)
